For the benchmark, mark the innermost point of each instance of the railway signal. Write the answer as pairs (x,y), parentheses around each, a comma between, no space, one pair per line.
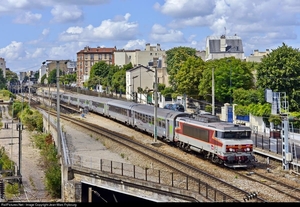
(250,196)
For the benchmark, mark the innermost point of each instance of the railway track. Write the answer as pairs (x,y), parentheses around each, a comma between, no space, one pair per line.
(291,193)
(225,191)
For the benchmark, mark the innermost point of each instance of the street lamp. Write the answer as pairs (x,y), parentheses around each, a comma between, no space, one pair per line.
(133,87)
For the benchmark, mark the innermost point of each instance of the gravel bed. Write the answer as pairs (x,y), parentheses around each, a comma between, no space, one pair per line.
(128,156)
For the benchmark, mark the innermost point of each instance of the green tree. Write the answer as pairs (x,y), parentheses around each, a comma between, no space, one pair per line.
(119,80)
(52,78)
(246,97)
(3,81)
(43,79)
(280,72)
(99,71)
(229,75)
(68,78)
(189,75)
(175,58)
(11,77)
(36,75)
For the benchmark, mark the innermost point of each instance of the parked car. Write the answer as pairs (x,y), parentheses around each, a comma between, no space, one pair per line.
(168,106)
(174,107)
(178,107)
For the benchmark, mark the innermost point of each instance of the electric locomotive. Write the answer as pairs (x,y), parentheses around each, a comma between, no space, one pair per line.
(223,142)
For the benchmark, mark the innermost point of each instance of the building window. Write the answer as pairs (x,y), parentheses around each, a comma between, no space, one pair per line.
(129,57)
(100,57)
(92,56)
(150,53)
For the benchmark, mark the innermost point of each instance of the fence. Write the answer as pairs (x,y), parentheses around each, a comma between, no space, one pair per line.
(151,175)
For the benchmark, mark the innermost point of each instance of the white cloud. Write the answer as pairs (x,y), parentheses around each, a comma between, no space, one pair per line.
(13,51)
(37,53)
(14,6)
(45,32)
(27,18)
(135,44)
(118,29)
(185,8)
(64,14)
(161,34)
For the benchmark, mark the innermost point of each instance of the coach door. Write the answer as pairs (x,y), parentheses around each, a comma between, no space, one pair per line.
(169,130)
(130,114)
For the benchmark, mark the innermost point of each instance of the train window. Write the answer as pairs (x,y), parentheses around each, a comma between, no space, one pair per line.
(163,124)
(144,118)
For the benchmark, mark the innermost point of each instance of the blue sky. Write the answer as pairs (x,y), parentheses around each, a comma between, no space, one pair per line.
(33,31)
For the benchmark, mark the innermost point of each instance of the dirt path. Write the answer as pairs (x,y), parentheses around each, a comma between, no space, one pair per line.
(31,170)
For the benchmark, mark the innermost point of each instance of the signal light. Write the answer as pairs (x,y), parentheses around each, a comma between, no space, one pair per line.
(250,196)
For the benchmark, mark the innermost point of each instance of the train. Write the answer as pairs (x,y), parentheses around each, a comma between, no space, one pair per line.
(222,142)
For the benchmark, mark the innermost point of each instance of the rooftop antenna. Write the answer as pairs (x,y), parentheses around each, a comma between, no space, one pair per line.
(225,31)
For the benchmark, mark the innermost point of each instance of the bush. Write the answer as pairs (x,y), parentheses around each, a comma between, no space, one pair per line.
(51,163)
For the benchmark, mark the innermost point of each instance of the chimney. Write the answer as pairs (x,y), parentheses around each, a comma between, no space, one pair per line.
(223,43)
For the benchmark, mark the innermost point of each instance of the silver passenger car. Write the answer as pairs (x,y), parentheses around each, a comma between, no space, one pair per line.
(120,110)
(143,119)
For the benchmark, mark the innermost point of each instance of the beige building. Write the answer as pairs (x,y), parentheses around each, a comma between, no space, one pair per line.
(50,65)
(142,57)
(3,66)
(144,77)
(257,56)
(87,57)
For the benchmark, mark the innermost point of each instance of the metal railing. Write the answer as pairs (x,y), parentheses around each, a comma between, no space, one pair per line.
(65,150)
(176,180)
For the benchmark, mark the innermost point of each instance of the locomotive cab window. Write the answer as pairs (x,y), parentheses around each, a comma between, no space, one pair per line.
(236,135)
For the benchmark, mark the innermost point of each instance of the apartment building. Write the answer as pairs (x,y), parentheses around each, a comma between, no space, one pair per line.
(142,57)
(87,57)
(218,47)
(3,66)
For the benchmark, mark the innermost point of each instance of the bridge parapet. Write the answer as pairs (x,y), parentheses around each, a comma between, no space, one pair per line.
(158,179)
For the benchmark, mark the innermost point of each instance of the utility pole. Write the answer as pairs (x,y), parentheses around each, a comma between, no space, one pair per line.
(155,105)
(58,109)
(213,92)
(20,149)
